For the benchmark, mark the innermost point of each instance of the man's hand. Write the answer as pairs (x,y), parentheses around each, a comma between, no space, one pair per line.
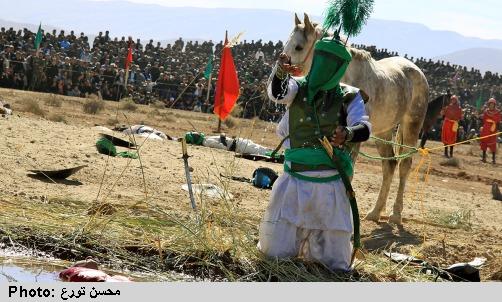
(284,59)
(338,138)
(284,62)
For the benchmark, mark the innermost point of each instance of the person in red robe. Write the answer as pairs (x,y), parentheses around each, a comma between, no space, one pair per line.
(491,118)
(452,114)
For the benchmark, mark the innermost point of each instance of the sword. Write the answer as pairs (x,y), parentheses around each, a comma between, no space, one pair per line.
(187,171)
(350,194)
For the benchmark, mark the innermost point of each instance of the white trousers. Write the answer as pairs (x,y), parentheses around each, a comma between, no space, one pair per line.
(282,239)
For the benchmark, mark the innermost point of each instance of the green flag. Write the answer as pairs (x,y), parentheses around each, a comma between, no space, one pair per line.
(209,68)
(38,38)
(479,102)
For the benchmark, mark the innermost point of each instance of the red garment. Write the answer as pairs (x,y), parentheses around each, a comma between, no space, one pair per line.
(491,119)
(83,274)
(452,114)
(227,88)
(449,132)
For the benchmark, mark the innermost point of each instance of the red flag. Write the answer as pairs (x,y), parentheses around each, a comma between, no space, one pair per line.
(227,87)
(128,59)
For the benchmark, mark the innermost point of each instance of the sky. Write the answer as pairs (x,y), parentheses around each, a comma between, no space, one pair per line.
(473,18)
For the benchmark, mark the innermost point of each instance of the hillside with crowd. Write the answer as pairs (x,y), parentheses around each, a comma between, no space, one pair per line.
(173,74)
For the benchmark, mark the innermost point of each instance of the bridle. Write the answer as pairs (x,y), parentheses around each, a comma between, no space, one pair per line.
(300,66)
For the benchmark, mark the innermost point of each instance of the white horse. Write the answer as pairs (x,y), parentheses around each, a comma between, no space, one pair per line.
(398,96)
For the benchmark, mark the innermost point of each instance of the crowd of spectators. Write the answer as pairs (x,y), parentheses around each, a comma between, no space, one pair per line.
(67,64)
(173,74)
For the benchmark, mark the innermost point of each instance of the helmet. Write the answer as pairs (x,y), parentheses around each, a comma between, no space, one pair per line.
(264,178)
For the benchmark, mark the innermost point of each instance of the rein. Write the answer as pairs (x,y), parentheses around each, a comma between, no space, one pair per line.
(300,66)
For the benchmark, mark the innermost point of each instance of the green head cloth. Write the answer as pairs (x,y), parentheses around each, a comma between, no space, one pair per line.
(195,138)
(331,59)
(106,147)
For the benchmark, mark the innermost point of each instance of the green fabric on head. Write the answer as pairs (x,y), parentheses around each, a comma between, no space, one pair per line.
(106,147)
(195,138)
(331,59)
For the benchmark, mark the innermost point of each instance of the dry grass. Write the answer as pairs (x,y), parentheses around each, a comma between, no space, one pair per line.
(112,121)
(33,106)
(154,113)
(460,219)
(237,111)
(218,242)
(158,105)
(162,115)
(58,118)
(168,117)
(54,101)
(128,105)
(231,122)
(93,106)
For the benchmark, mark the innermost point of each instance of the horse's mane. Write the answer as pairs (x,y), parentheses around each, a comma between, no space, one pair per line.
(360,54)
(357,54)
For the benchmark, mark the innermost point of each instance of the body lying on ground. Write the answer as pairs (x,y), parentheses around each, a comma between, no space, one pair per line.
(145,131)
(5,108)
(222,142)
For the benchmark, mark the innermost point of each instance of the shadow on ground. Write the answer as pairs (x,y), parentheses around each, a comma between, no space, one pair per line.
(57,181)
(386,234)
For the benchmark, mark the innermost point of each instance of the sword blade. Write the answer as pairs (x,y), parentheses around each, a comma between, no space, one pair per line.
(187,172)
(189,183)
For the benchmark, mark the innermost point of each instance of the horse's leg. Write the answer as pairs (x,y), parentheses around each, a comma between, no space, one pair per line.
(410,137)
(388,168)
(425,135)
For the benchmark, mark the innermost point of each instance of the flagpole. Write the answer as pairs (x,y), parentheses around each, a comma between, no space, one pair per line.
(126,77)
(209,87)
(225,45)
(127,64)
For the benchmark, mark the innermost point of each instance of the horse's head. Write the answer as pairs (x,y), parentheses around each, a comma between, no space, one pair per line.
(300,46)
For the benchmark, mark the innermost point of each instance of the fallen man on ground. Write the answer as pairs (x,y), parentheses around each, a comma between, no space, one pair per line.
(222,142)
(145,131)
(5,108)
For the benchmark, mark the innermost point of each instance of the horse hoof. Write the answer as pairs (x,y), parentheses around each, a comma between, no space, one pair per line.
(372,217)
(396,219)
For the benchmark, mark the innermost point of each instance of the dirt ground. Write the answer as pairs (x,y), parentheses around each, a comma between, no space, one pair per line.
(452,219)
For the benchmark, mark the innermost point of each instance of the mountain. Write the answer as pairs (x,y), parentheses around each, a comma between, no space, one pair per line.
(152,21)
(418,40)
(161,23)
(33,27)
(480,58)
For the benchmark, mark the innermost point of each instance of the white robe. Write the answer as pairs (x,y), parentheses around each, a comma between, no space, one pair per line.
(146,131)
(243,145)
(307,219)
